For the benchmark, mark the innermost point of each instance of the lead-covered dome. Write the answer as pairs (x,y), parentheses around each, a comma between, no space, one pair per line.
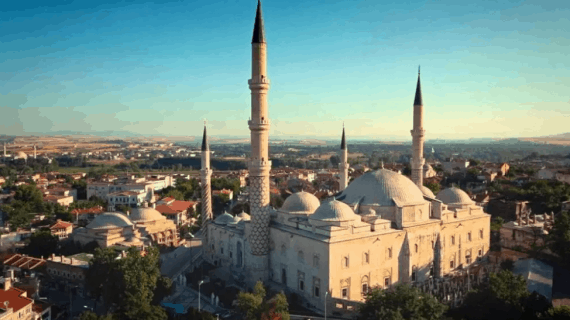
(380,187)
(109,220)
(224,219)
(301,202)
(146,214)
(334,211)
(427,192)
(454,196)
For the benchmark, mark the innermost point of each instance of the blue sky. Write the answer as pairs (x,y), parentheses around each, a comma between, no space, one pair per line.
(489,68)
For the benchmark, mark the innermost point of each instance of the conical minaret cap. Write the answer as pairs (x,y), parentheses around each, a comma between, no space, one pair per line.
(205,144)
(418,100)
(343,141)
(258,30)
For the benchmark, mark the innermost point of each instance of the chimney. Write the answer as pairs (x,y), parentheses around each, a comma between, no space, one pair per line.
(7,284)
(53,256)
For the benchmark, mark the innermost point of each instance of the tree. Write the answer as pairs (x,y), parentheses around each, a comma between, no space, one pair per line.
(559,313)
(42,244)
(434,187)
(194,314)
(255,306)
(28,193)
(400,302)
(131,280)
(559,237)
(88,315)
(176,194)
(504,298)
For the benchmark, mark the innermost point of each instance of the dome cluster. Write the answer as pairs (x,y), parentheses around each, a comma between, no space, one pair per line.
(454,196)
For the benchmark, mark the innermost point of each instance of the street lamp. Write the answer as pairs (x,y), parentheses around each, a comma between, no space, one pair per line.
(326,294)
(199,298)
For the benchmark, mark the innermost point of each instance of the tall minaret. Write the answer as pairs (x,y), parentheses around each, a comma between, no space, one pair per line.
(259,164)
(418,137)
(343,165)
(206,174)
(35,154)
(4,151)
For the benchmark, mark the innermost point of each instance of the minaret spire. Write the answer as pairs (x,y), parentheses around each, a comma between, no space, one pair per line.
(418,133)
(258,30)
(206,175)
(259,163)
(343,165)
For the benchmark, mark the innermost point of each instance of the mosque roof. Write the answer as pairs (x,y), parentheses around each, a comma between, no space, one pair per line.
(454,195)
(110,220)
(244,216)
(258,30)
(301,202)
(21,155)
(427,192)
(382,187)
(334,211)
(224,219)
(145,214)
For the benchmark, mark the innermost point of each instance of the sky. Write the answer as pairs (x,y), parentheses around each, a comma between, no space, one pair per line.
(488,68)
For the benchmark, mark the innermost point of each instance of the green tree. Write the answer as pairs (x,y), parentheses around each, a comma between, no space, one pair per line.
(434,187)
(130,283)
(176,194)
(559,237)
(42,244)
(255,306)
(504,298)
(194,314)
(400,302)
(28,193)
(88,315)
(559,313)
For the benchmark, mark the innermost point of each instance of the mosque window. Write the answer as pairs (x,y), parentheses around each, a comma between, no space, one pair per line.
(431,270)
(455,214)
(468,257)
(389,253)
(416,248)
(386,282)
(316,261)
(469,236)
(452,240)
(345,262)
(452,264)
(414,274)
(301,276)
(481,233)
(316,287)
(366,258)
(345,293)
(364,285)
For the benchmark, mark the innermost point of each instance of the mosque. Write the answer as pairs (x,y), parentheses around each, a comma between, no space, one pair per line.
(382,229)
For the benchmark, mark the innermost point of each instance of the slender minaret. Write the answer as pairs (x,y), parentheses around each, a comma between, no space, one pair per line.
(206,174)
(343,165)
(35,153)
(259,164)
(418,137)
(4,151)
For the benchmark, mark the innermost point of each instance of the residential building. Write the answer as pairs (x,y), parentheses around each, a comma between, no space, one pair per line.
(61,229)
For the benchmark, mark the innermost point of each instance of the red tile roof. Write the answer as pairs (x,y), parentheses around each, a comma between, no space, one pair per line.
(15,299)
(61,225)
(175,207)
(94,210)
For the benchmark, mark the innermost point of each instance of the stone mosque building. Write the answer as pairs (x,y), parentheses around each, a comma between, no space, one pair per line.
(381,229)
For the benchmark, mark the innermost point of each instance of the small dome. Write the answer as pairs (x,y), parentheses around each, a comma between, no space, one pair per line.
(244,216)
(301,202)
(21,155)
(334,211)
(224,219)
(146,214)
(454,195)
(427,167)
(234,222)
(427,192)
(109,220)
(380,187)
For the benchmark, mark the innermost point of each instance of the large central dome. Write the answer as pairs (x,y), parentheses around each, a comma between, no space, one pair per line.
(380,187)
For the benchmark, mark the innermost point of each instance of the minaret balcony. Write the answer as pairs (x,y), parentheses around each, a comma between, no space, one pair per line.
(418,132)
(258,80)
(259,124)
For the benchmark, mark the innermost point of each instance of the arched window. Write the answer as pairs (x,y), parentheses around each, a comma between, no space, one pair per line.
(414,273)
(365,285)
(481,233)
(416,248)
(345,262)
(452,240)
(366,258)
